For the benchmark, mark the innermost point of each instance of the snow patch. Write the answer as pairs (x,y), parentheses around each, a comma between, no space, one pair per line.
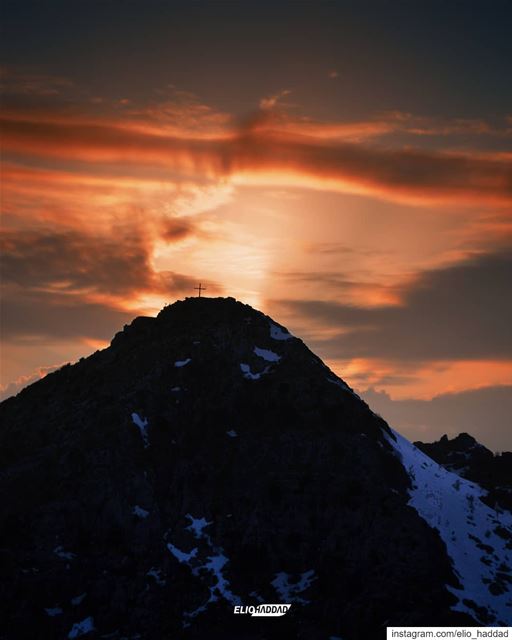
(249,375)
(180,555)
(288,591)
(78,599)
(54,611)
(267,355)
(140,512)
(81,628)
(215,565)
(197,525)
(208,558)
(232,433)
(278,333)
(142,424)
(182,363)
(467,526)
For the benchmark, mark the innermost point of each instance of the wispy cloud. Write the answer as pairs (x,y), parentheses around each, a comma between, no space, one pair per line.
(463,311)
(113,207)
(274,158)
(69,261)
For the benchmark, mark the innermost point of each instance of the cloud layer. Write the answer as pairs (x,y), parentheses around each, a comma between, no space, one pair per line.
(267,154)
(79,283)
(69,261)
(462,311)
(112,207)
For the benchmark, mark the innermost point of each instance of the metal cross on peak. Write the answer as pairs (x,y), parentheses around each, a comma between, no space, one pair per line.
(200,288)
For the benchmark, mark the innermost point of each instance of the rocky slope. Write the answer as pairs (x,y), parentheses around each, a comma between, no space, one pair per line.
(208,459)
(468,458)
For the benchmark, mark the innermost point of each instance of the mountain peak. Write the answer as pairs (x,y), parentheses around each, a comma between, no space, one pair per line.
(208,459)
(228,308)
(206,316)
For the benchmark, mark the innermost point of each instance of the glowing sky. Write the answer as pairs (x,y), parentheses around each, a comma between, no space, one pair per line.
(343,166)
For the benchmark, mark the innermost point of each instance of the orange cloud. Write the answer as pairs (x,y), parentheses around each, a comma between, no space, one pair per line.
(73,266)
(268,157)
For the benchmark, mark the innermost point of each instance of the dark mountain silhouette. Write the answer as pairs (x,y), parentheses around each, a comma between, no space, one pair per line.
(470,459)
(208,459)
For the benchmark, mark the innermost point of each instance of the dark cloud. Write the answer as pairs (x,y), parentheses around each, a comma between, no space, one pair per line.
(177,229)
(334,281)
(484,413)
(341,249)
(459,312)
(31,316)
(64,284)
(68,260)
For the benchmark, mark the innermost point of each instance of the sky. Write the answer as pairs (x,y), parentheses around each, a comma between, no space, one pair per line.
(345,167)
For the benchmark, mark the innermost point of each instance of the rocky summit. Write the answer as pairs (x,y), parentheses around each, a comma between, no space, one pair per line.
(467,457)
(209,460)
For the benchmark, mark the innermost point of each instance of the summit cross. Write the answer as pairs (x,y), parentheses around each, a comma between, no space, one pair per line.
(200,288)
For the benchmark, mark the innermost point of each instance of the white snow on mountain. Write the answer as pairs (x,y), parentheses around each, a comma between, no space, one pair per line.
(206,559)
(470,530)
(140,512)
(78,599)
(248,374)
(142,424)
(182,556)
(197,525)
(267,355)
(81,628)
(182,363)
(277,333)
(215,565)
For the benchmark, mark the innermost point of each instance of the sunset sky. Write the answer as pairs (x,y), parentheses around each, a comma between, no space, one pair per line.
(345,167)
